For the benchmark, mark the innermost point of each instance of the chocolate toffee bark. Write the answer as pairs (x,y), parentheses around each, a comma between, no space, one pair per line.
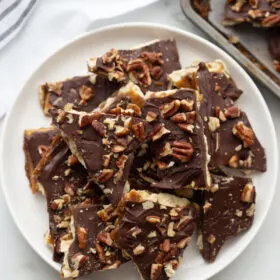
(261,13)
(224,84)
(64,181)
(104,144)
(154,229)
(83,93)
(36,143)
(92,248)
(228,209)
(177,140)
(231,139)
(146,66)
(274,46)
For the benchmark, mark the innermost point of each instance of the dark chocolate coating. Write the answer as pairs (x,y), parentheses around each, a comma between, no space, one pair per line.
(227,141)
(86,217)
(33,139)
(180,174)
(274,43)
(51,173)
(263,6)
(89,144)
(101,90)
(224,215)
(170,58)
(134,215)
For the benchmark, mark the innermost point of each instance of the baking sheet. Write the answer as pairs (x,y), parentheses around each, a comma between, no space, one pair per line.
(258,60)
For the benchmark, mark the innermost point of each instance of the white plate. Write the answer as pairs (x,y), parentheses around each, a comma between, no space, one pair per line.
(29,211)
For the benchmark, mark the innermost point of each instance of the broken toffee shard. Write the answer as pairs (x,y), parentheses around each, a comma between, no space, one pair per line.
(104,144)
(230,137)
(261,13)
(64,181)
(177,140)
(154,229)
(36,144)
(82,93)
(92,248)
(227,210)
(146,66)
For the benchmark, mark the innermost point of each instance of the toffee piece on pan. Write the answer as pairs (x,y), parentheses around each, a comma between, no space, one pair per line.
(64,181)
(228,209)
(154,229)
(82,93)
(225,85)
(177,140)
(231,139)
(92,248)
(146,66)
(261,13)
(104,144)
(36,143)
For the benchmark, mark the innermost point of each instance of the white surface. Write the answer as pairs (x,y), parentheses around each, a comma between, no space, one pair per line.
(52,23)
(71,60)
(260,259)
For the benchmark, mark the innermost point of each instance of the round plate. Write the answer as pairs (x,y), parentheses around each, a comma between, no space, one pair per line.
(29,211)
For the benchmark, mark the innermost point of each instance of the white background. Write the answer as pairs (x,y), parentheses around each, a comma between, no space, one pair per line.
(259,261)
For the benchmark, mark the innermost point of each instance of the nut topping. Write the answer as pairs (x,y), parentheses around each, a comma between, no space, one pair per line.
(184,117)
(165,246)
(121,131)
(139,131)
(82,237)
(86,93)
(152,57)
(118,149)
(153,219)
(232,112)
(233,161)
(55,88)
(105,238)
(99,127)
(156,73)
(42,149)
(156,271)
(182,150)
(138,250)
(187,104)
(158,132)
(169,109)
(151,116)
(139,72)
(244,133)
(72,160)
(248,193)
(105,175)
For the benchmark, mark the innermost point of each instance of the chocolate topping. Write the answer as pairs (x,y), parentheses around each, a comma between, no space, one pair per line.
(92,249)
(147,66)
(274,43)
(154,229)
(231,140)
(65,184)
(36,143)
(80,93)
(228,209)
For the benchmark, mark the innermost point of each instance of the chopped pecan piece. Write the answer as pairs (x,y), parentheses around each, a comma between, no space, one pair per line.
(139,131)
(244,133)
(105,238)
(105,175)
(82,237)
(169,109)
(248,193)
(139,72)
(232,112)
(99,127)
(86,93)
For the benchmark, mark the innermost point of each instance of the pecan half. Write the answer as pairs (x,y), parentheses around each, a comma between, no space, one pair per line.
(139,72)
(182,150)
(105,175)
(82,237)
(139,131)
(169,109)
(244,133)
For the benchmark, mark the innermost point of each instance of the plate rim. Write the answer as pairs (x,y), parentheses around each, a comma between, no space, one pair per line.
(171,29)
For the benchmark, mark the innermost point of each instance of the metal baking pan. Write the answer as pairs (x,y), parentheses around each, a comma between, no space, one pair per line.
(248,45)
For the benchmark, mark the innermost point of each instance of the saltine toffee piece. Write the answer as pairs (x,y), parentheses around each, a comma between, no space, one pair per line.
(177,140)
(146,66)
(230,137)
(82,93)
(104,144)
(228,209)
(92,248)
(274,46)
(261,13)
(202,7)
(36,143)
(64,181)
(154,229)
(224,84)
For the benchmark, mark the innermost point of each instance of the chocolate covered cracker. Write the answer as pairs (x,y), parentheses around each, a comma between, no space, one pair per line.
(230,137)
(177,140)
(154,229)
(260,13)
(83,93)
(36,143)
(104,144)
(228,209)
(64,181)
(224,84)
(146,66)
(92,248)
